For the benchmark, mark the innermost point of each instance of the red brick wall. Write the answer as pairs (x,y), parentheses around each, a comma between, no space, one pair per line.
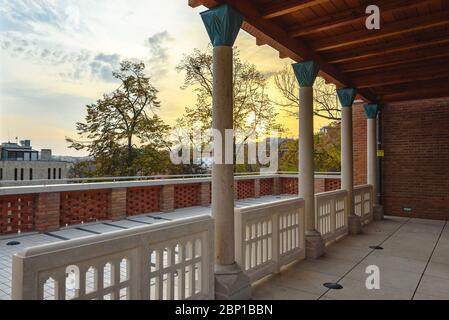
(142,200)
(266,187)
(83,206)
(245,189)
(331,184)
(359,143)
(187,195)
(205,193)
(16,213)
(290,185)
(415,166)
(47,211)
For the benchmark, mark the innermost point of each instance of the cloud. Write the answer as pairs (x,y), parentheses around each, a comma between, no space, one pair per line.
(79,63)
(74,64)
(158,44)
(40,16)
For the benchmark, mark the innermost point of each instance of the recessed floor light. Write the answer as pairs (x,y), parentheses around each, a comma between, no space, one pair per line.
(333,285)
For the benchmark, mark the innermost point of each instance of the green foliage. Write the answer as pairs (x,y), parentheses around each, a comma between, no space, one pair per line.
(124,134)
(327,155)
(328,149)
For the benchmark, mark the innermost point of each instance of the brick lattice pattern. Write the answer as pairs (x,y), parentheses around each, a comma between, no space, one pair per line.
(83,206)
(332,184)
(142,200)
(289,185)
(187,195)
(266,187)
(16,213)
(245,189)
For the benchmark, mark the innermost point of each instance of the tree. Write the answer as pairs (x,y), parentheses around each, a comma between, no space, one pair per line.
(254,114)
(122,129)
(327,154)
(328,148)
(324,95)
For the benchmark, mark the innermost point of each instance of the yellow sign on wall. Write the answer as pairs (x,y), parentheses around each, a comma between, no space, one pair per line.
(380,153)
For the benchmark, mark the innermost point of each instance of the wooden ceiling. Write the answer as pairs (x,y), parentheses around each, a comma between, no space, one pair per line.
(407,58)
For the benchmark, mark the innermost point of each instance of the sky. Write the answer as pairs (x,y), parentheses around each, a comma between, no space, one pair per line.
(57,56)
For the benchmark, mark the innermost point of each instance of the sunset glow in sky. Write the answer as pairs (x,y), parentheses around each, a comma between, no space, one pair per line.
(58,55)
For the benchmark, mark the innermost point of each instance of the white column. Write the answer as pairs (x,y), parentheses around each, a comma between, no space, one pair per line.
(306,161)
(346,97)
(306,72)
(347,174)
(223,24)
(371,153)
(371,111)
(223,174)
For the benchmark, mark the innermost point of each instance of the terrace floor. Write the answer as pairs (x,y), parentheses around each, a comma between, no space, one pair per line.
(414,264)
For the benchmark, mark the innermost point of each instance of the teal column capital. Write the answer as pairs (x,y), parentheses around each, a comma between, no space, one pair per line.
(371,110)
(306,72)
(346,96)
(222,24)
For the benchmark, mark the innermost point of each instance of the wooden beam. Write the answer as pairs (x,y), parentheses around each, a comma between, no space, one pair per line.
(280,8)
(353,15)
(207,3)
(384,49)
(282,55)
(387,30)
(412,86)
(437,92)
(436,70)
(259,42)
(275,36)
(394,60)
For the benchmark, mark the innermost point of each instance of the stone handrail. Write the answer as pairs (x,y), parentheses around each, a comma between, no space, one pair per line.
(269,236)
(116,183)
(169,260)
(363,204)
(331,212)
(48,207)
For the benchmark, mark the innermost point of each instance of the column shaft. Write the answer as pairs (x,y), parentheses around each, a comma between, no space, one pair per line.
(347,174)
(306,165)
(223,174)
(371,153)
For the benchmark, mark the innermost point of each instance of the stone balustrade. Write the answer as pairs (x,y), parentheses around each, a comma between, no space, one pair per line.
(332,214)
(166,261)
(269,236)
(363,202)
(49,207)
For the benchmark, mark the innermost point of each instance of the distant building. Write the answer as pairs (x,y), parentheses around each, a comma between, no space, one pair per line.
(19,162)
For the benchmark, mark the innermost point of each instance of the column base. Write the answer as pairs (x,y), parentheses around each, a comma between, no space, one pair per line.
(315,246)
(231,283)
(354,224)
(378,212)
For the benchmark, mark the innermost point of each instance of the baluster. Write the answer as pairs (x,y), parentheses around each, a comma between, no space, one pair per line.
(171,275)
(275,243)
(333,203)
(115,281)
